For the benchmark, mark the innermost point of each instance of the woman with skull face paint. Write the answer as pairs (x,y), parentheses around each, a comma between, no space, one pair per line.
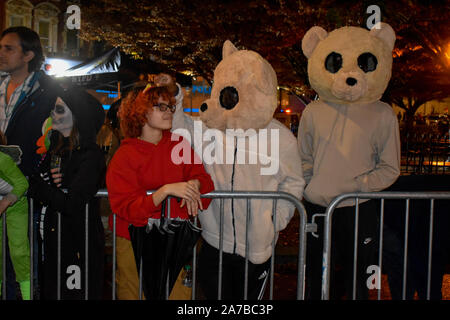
(69,176)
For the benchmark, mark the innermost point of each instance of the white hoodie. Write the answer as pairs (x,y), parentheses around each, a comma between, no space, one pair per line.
(270,171)
(348,149)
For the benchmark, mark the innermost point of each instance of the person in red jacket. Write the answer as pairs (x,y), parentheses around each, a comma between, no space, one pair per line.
(144,161)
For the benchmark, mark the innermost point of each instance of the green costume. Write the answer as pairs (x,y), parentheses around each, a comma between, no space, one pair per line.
(17,223)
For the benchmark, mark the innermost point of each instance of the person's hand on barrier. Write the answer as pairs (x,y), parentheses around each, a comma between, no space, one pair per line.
(192,207)
(192,203)
(4,204)
(196,184)
(183,190)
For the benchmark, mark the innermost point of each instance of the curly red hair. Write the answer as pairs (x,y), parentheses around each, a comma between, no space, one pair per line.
(134,109)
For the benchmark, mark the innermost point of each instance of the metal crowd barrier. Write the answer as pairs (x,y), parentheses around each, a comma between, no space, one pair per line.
(425,152)
(302,233)
(377,195)
(219,195)
(32,252)
(248,195)
(304,227)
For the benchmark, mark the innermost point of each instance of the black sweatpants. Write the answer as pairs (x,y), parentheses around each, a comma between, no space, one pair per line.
(233,275)
(342,247)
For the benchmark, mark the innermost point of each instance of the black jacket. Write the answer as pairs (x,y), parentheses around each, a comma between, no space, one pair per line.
(83,173)
(25,125)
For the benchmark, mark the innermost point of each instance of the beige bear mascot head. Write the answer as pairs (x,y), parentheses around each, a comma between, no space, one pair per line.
(244,91)
(349,65)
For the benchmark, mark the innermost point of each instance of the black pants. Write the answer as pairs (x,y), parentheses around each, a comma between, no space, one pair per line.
(73,260)
(342,247)
(233,275)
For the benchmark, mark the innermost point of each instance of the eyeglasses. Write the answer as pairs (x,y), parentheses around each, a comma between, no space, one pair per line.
(163,107)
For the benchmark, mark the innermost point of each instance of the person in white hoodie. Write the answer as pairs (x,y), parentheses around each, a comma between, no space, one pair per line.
(349,142)
(243,149)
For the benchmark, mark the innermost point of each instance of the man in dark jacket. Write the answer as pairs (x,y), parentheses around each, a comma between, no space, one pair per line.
(27,96)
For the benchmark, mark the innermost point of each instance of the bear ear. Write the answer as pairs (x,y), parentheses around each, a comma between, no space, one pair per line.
(228,49)
(266,78)
(311,39)
(384,32)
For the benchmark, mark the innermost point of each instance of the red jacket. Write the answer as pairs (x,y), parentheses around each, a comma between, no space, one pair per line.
(139,166)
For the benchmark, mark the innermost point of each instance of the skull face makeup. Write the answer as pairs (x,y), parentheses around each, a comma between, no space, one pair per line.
(62,119)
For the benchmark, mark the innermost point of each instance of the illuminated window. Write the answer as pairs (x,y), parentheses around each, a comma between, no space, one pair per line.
(18,13)
(44,34)
(16,21)
(46,25)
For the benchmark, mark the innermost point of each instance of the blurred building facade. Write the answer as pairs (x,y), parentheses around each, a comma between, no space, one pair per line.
(48,18)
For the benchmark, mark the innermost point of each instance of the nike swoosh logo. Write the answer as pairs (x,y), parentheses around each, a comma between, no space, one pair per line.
(263,275)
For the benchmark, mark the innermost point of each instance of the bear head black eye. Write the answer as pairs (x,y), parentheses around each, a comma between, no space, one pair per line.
(229,98)
(333,62)
(367,62)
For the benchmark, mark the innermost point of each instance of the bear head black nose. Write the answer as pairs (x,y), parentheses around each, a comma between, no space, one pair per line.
(203,107)
(351,81)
